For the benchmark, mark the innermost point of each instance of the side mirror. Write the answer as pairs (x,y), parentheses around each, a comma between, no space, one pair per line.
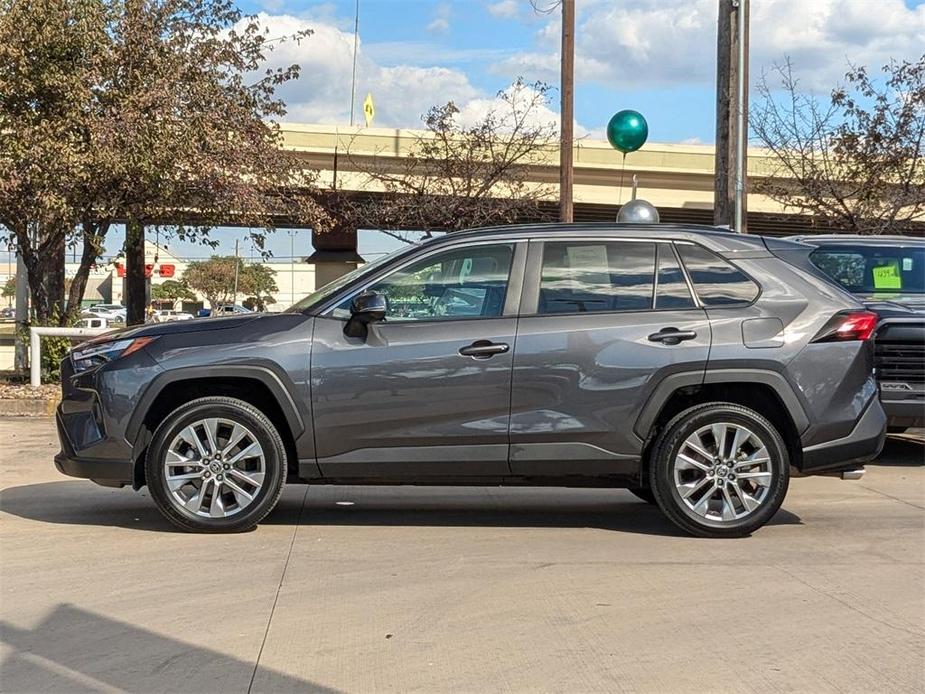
(366,308)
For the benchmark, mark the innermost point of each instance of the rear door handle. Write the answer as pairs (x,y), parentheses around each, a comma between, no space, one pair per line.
(672,336)
(483,349)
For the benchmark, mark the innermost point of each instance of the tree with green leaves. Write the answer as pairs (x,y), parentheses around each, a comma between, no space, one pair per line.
(150,111)
(213,278)
(258,282)
(854,161)
(173,291)
(9,290)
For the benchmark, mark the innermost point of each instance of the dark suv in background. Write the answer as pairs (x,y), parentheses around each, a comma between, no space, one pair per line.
(694,366)
(886,274)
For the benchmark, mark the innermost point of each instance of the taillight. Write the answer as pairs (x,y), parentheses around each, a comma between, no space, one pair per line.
(850,325)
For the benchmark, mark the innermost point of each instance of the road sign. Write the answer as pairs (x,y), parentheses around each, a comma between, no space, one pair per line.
(369,109)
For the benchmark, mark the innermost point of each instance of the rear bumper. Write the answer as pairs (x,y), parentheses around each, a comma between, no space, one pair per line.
(903,413)
(864,443)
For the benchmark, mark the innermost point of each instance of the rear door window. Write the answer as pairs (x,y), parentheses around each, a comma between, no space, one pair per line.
(716,281)
(594,276)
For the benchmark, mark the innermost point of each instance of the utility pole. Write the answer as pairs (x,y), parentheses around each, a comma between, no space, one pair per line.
(353,81)
(567,109)
(22,312)
(237,265)
(134,288)
(730,191)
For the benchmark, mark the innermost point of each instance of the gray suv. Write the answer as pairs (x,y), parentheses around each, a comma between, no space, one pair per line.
(698,368)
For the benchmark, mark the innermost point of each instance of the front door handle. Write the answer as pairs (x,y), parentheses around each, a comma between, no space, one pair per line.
(483,349)
(672,336)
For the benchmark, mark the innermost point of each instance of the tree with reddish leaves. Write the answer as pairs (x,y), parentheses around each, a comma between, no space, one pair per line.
(149,112)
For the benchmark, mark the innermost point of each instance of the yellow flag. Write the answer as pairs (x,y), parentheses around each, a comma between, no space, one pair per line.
(369,109)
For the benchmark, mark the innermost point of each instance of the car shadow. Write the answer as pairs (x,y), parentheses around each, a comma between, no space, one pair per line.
(81,503)
(75,650)
(902,450)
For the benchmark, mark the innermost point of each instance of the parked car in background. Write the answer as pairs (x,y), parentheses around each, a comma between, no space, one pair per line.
(224,310)
(693,366)
(90,320)
(8,313)
(887,274)
(115,313)
(230,309)
(167,315)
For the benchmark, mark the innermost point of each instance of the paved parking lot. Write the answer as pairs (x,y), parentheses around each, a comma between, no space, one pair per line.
(474,590)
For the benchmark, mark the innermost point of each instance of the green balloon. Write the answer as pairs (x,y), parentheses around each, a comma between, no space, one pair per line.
(627,131)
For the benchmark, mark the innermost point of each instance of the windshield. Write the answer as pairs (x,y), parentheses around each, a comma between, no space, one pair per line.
(874,269)
(319,295)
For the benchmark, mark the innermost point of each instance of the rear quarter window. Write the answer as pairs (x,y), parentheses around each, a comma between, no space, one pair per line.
(716,281)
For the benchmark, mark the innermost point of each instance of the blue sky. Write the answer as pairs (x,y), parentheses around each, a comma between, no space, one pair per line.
(655,56)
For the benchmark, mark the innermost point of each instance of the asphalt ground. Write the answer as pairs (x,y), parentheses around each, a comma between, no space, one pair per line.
(403,589)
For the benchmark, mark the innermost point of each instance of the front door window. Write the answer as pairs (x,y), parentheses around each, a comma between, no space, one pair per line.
(460,283)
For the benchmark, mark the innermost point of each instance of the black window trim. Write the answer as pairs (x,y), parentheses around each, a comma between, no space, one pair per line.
(687,282)
(511,298)
(725,260)
(530,300)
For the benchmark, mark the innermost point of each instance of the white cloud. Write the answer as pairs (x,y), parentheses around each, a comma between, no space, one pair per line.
(402,92)
(322,93)
(438,26)
(441,21)
(505,9)
(667,42)
(522,97)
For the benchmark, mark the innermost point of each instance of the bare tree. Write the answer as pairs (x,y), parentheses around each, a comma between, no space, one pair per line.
(853,161)
(458,176)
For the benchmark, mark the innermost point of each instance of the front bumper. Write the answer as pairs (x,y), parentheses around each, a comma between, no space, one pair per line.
(864,443)
(106,471)
(92,418)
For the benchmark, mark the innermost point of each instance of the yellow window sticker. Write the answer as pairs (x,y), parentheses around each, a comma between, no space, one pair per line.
(887,276)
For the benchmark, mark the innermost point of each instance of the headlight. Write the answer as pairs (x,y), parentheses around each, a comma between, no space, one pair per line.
(93,354)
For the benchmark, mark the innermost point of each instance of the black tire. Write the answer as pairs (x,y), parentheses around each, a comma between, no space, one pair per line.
(644,494)
(667,446)
(236,411)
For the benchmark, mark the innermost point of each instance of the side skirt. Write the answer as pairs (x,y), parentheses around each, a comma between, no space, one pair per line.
(613,481)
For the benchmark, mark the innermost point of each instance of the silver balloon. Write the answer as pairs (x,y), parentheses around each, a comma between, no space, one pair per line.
(638,212)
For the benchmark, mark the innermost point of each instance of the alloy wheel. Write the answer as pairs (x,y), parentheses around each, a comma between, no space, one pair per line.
(723,472)
(214,468)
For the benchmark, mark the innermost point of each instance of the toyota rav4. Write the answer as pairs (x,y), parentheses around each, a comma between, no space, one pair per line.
(696,367)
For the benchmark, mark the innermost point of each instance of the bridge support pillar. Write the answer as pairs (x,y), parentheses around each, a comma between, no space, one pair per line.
(335,254)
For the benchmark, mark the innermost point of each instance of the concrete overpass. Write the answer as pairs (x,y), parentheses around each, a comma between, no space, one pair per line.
(676,178)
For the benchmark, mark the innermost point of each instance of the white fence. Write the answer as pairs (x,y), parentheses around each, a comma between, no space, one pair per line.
(35,346)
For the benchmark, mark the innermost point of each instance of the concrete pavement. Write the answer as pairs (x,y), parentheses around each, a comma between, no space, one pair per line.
(450,589)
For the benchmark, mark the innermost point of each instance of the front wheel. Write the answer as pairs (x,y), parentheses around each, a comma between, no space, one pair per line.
(719,470)
(216,464)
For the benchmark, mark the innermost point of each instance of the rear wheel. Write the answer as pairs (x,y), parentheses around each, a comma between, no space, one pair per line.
(216,464)
(719,470)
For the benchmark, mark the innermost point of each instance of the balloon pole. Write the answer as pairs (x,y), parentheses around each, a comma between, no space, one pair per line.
(622,169)
(635,184)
